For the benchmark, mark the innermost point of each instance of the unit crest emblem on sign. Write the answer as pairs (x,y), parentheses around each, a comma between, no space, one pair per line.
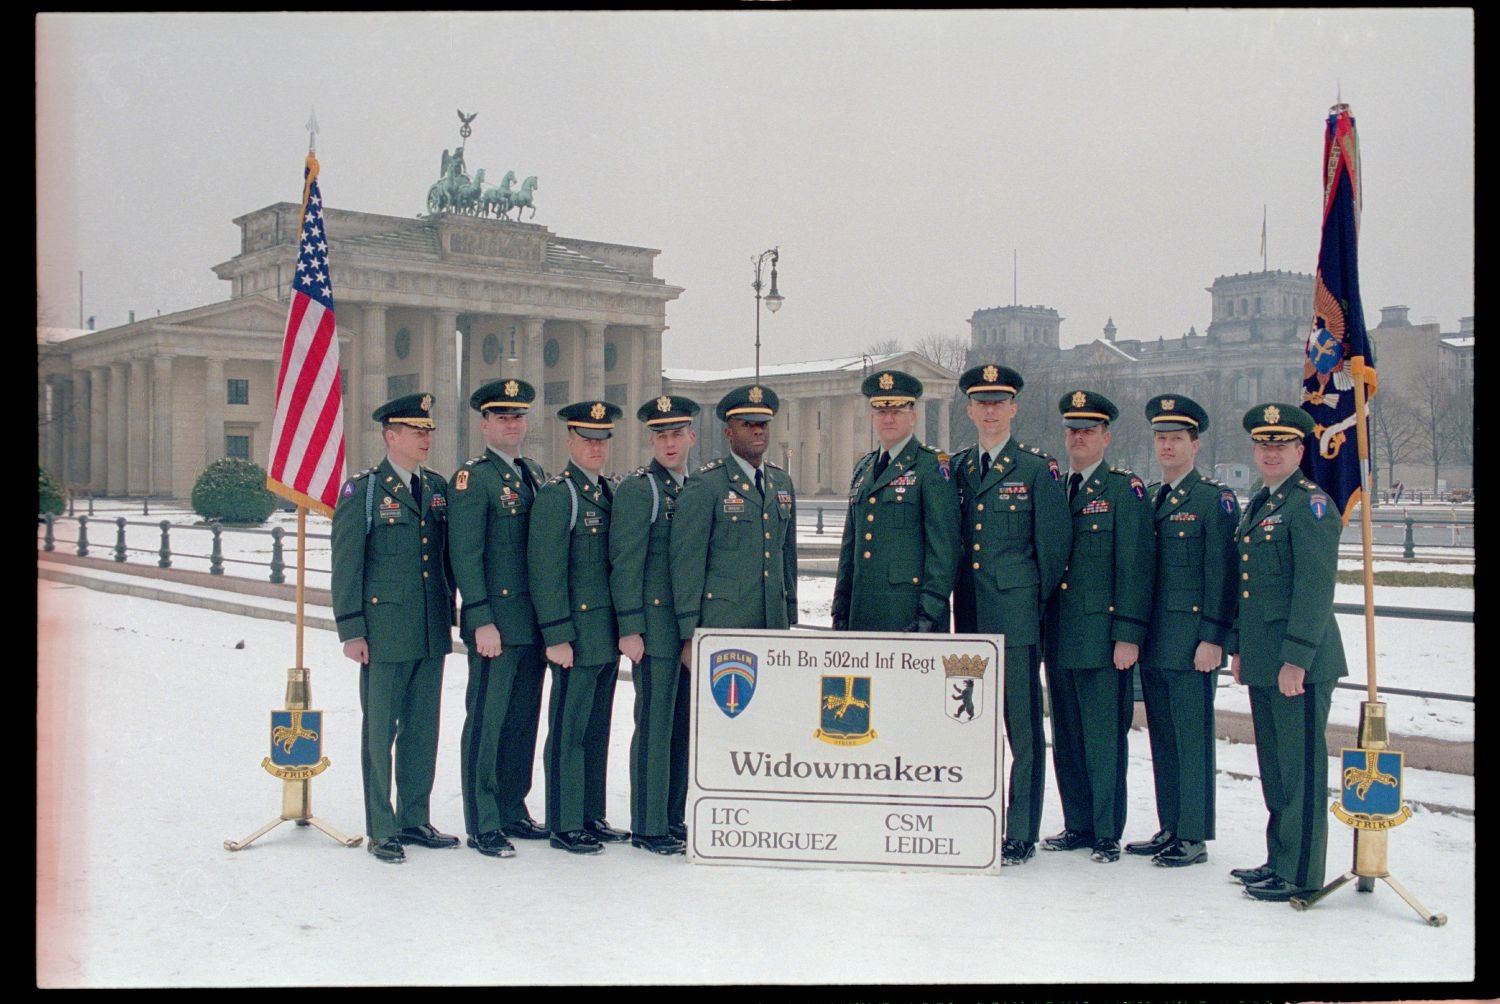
(1370,790)
(844,711)
(963,698)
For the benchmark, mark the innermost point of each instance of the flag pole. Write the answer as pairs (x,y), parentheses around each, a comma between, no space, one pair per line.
(1366,524)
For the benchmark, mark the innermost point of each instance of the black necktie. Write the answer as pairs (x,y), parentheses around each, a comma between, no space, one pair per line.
(984,465)
(1162,493)
(1258,500)
(526,478)
(604,489)
(416,490)
(1074,480)
(760,485)
(881,463)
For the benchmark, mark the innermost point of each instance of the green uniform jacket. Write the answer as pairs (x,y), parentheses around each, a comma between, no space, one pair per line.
(900,542)
(1288,562)
(1195,561)
(640,577)
(570,567)
(390,585)
(1014,542)
(734,556)
(1105,594)
(489,512)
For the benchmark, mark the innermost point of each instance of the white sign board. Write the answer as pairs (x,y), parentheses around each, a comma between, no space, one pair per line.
(847,749)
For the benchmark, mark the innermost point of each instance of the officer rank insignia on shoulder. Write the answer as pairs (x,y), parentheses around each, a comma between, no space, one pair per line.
(1318,503)
(1227,501)
(711,465)
(461,481)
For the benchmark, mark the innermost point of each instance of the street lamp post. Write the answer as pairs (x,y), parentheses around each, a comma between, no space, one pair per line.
(773,298)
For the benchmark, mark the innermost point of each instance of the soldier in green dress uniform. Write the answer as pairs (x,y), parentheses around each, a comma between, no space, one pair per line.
(488,520)
(393,608)
(900,542)
(1015,535)
(640,582)
(1286,647)
(568,554)
(1094,629)
(1191,615)
(734,540)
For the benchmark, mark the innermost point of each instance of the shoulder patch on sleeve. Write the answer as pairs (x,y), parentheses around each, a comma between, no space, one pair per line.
(1136,485)
(461,481)
(348,488)
(1318,503)
(1053,469)
(1228,500)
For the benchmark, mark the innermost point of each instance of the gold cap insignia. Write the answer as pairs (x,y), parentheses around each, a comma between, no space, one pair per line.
(1169,404)
(991,374)
(512,388)
(426,402)
(1273,414)
(664,403)
(887,381)
(756,395)
(597,411)
(1080,399)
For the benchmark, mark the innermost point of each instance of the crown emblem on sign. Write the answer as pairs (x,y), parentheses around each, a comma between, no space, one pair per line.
(426,402)
(756,395)
(1273,414)
(1080,399)
(887,381)
(664,403)
(597,411)
(512,388)
(965,665)
(1169,404)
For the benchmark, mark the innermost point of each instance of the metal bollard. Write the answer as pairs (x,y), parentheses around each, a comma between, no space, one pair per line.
(166,547)
(71,497)
(278,566)
(83,536)
(1408,549)
(145,506)
(216,556)
(91,503)
(120,538)
(47,543)
(820,519)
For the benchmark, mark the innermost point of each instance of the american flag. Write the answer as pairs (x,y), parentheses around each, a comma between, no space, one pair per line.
(307,437)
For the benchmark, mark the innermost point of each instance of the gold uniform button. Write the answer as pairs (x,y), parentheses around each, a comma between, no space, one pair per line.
(734,519)
(768,554)
(768,534)
(915,580)
(1111,609)
(424,575)
(710,596)
(976,566)
(765,515)
(1095,526)
(1245,576)
(977,547)
(980,507)
(1244,557)
(1247,594)
(583,606)
(870,518)
(1195,610)
(374,599)
(979,526)
(424,557)
(505,592)
(872,499)
(1247,538)
(869,536)
(656,602)
(1012,508)
(391,520)
(867,554)
(424,540)
(421,522)
(765,575)
(1182,533)
(1063,586)
(593,529)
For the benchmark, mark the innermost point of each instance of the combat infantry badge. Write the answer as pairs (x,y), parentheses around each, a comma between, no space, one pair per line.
(296,745)
(1370,790)
(963,700)
(844,711)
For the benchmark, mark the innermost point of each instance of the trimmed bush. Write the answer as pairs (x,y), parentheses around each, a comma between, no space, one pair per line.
(49,494)
(233,491)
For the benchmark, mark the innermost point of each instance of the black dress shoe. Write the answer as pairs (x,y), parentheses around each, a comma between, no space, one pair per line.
(678,830)
(494,844)
(1181,853)
(1069,840)
(388,849)
(1105,851)
(1250,876)
(1160,842)
(601,831)
(524,828)
(1275,890)
(426,835)
(577,842)
(1016,852)
(659,845)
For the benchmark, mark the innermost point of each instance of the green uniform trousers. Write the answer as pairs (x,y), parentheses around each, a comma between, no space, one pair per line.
(503,704)
(1091,712)
(576,755)
(659,749)
(399,701)
(1180,719)
(1292,747)
(1028,743)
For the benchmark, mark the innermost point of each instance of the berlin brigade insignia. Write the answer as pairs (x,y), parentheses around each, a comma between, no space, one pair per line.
(664,403)
(1272,414)
(1137,487)
(1228,502)
(1053,470)
(963,698)
(731,678)
(844,710)
(426,402)
(1169,404)
(991,374)
(1318,503)
(1370,790)
(296,745)
(512,388)
(887,381)
(1080,399)
(597,411)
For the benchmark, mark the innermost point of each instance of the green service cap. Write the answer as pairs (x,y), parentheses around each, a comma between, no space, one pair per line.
(752,402)
(414,410)
(591,419)
(1174,412)
(668,412)
(991,382)
(1278,423)
(507,396)
(1083,409)
(891,389)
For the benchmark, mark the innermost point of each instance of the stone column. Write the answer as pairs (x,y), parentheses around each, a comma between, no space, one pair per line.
(98,429)
(213,410)
(448,410)
(118,441)
(161,432)
(592,361)
(533,371)
(842,461)
(352,358)
(789,421)
(462,424)
(372,446)
(78,446)
(54,423)
(138,417)
(945,422)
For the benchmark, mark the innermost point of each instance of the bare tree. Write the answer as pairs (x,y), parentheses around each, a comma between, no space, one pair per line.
(948,351)
(1433,406)
(884,347)
(1396,431)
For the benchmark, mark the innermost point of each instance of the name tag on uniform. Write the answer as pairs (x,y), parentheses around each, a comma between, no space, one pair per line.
(1182,517)
(1096,506)
(591,518)
(389,506)
(734,502)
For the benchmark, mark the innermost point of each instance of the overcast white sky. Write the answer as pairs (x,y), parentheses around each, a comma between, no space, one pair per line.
(895,157)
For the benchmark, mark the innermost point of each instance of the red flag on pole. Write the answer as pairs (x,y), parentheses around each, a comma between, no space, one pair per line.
(307,436)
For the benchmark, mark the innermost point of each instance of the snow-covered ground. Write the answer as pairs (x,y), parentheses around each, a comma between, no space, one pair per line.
(152,725)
